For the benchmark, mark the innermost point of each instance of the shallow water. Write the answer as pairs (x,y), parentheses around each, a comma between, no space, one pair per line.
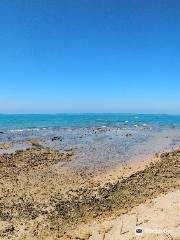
(98,140)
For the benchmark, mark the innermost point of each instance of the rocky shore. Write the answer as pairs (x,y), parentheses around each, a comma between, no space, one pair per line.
(39,199)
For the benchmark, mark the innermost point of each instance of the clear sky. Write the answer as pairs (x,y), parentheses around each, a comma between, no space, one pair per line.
(90,56)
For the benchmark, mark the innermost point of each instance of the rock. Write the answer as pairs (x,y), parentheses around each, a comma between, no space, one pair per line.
(1,132)
(128,134)
(56,138)
(5,145)
(34,143)
(166,154)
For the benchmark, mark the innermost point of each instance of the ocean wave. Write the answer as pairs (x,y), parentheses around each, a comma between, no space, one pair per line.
(17,130)
(25,130)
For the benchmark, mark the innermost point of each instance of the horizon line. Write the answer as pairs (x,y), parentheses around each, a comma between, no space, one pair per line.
(78,113)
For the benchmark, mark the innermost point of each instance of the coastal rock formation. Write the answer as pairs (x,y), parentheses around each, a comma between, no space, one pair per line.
(33,205)
(32,157)
(5,146)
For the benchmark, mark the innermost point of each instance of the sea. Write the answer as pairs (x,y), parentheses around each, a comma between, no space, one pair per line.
(30,121)
(99,141)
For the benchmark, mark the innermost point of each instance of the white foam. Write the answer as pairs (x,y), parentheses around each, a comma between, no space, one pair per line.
(25,129)
(17,130)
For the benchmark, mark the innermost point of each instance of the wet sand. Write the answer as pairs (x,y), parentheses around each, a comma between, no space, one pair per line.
(41,198)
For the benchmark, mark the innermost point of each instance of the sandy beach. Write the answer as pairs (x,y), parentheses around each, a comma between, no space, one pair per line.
(42,198)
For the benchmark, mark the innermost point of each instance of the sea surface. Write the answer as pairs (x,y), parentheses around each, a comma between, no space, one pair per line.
(98,141)
(24,121)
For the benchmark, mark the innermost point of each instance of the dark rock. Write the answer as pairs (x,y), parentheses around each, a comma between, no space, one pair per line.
(36,145)
(128,134)
(56,138)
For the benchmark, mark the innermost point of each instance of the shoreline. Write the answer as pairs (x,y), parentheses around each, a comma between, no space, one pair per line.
(130,167)
(39,196)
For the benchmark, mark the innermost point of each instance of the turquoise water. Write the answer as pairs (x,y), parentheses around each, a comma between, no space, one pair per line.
(98,140)
(24,121)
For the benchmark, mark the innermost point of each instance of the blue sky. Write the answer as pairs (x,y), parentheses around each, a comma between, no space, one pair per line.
(89,56)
